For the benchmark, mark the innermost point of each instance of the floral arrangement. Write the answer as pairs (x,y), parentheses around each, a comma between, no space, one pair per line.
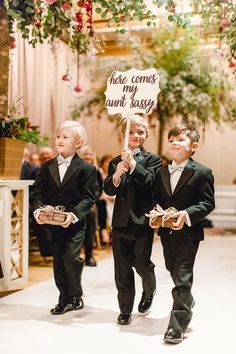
(38,20)
(219,19)
(20,128)
(72,20)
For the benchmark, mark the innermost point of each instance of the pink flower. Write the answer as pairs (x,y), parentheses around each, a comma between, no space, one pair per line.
(12,42)
(66,6)
(231,64)
(224,23)
(39,10)
(66,77)
(81,3)
(78,88)
(50,2)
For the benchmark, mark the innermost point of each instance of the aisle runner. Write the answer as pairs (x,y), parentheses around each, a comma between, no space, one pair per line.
(26,325)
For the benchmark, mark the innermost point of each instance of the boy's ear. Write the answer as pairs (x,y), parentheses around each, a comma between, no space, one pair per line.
(78,143)
(194,147)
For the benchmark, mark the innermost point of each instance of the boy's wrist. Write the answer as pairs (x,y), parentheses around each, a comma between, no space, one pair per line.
(116,180)
(74,218)
(132,166)
(187,218)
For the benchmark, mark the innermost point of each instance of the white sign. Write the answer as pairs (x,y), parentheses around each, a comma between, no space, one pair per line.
(132,91)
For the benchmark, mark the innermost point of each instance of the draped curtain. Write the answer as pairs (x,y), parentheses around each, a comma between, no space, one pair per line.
(36,77)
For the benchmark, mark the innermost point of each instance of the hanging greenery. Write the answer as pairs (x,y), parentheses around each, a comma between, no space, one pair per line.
(72,20)
(219,21)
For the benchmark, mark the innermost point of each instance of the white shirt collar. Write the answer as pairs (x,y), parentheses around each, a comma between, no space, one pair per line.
(136,151)
(182,164)
(69,158)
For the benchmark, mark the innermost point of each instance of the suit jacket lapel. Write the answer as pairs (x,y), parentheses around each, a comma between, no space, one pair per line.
(140,155)
(185,176)
(53,168)
(71,169)
(165,176)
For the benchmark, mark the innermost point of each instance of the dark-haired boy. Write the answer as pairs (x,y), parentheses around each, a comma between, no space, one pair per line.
(187,186)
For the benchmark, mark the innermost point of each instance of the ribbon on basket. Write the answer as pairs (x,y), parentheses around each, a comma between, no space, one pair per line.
(51,210)
(157,211)
(53,215)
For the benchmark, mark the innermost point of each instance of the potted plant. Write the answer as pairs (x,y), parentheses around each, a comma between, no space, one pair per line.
(15,131)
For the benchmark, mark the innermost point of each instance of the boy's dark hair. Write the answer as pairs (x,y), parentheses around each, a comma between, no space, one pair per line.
(190,132)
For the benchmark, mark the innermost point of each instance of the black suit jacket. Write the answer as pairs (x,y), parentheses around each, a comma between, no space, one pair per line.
(133,195)
(193,193)
(76,192)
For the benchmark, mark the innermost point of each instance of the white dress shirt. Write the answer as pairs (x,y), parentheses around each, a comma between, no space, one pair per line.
(174,179)
(63,164)
(175,175)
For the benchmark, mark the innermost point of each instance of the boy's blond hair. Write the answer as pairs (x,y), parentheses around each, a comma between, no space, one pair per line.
(135,119)
(76,128)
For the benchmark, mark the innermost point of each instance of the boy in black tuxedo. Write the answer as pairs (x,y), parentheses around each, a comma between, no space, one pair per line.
(69,181)
(187,186)
(130,177)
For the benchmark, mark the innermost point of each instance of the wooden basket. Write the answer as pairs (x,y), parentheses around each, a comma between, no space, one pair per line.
(160,217)
(52,217)
(163,223)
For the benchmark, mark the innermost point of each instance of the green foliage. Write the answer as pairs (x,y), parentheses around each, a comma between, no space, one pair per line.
(191,86)
(72,21)
(219,21)
(11,126)
(119,12)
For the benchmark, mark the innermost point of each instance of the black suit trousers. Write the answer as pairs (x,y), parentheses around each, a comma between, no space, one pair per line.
(67,264)
(179,257)
(90,233)
(132,248)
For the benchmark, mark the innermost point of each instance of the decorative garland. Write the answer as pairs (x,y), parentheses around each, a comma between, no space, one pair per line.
(72,20)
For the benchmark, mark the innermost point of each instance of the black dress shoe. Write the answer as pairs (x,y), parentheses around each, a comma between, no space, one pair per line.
(59,309)
(90,262)
(77,303)
(145,303)
(173,335)
(124,318)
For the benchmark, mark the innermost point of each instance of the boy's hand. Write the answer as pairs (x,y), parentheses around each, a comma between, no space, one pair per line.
(36,216)
(181,219)
(121,168)
(69,219)
(126,156)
